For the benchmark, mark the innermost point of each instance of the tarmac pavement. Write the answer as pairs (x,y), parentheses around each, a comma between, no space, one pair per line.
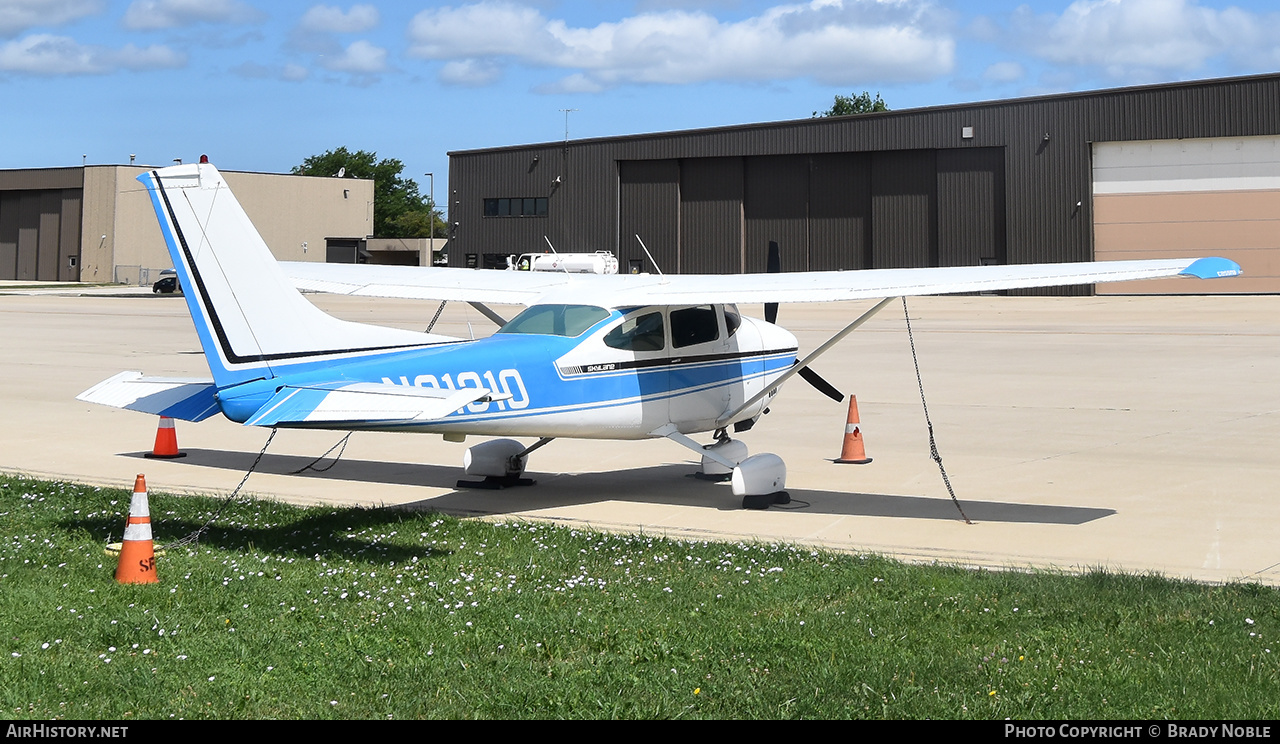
(1132,433)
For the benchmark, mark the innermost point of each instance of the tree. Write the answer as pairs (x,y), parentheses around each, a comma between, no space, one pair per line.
(399,211)
(850,105)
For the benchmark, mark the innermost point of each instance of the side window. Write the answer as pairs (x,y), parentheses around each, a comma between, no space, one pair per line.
(694,325)
(732,320)
(641,333)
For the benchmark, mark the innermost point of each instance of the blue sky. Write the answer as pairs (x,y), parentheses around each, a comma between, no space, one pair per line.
(261,85)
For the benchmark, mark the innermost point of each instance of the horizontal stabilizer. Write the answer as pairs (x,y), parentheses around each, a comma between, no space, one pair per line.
(363,403)
(185,399)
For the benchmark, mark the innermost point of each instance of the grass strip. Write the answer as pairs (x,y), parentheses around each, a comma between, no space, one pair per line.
(288,612)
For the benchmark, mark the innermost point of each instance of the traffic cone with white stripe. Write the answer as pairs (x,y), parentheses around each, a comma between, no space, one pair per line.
(137,555)
(853,452)
(166,446)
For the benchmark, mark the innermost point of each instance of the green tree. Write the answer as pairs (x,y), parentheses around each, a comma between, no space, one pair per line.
(399,211)
(849,105)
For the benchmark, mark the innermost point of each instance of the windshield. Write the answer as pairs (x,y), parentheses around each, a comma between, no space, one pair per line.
(556,320)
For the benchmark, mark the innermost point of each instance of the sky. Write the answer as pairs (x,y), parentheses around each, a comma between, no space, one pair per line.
(261,86)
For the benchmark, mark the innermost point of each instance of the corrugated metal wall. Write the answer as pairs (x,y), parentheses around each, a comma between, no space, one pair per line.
(971,207)
(711,192)
(1044,146)
(776,207)
(649,206)
(39,233)
(839,212)
(904,193)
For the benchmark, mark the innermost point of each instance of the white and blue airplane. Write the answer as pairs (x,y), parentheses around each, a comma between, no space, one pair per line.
(592,356)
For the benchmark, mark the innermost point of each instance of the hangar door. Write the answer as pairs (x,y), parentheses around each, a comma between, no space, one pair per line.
(40,234)
(1191,197)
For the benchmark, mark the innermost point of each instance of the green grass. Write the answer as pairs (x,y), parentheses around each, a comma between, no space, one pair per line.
(283,612)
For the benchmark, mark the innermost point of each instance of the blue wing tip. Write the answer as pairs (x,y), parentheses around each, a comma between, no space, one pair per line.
(1212,268)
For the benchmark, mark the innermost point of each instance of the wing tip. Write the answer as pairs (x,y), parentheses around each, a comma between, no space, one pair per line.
(1212,268)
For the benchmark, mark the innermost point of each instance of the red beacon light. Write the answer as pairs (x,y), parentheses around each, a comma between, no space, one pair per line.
(204,159)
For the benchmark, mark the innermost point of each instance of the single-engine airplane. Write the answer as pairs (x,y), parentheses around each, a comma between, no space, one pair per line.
(592,356)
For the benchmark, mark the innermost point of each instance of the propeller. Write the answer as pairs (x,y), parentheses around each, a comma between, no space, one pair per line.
(774,266)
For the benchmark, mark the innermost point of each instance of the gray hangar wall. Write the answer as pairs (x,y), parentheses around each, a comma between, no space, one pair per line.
(995,182)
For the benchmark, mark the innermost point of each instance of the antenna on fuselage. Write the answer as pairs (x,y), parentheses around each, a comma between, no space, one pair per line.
(650,255)
(656,266)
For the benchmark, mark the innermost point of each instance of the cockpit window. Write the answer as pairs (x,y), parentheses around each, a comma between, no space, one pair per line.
(641,333)
(556,320)
(694,325)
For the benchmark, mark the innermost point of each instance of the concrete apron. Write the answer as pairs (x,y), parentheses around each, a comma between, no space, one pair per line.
(1133,433)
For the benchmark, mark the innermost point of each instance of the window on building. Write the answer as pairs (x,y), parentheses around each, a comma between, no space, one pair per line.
(528,206)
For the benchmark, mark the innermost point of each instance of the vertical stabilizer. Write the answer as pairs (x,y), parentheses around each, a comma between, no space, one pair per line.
(250,319)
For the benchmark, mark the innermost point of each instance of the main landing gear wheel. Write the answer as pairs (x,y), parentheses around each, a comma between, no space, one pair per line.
(500,462)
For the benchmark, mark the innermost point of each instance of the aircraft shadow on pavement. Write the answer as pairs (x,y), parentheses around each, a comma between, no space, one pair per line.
(671,484)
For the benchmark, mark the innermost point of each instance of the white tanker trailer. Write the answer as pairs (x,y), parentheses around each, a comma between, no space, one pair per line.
(600,262)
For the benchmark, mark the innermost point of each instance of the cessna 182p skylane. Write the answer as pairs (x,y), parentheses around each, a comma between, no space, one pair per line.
(591,356)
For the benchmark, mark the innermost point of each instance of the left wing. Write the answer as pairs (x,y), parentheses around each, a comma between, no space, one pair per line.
(625,290)
(423,282)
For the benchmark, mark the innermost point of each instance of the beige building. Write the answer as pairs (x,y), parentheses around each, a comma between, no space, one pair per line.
(96,223)
(1210,196)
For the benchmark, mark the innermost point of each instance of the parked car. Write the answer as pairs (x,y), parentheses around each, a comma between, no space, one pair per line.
(168,283)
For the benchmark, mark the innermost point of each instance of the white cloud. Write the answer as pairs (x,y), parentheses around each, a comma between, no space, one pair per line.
(154,57)
(294,72)
(1004,72)
(1133,38)
(331,19)
(470,73)
(17,16)
(360,58)
(838,42)
(255,71)
(575,83)
(150,15)
(45,54)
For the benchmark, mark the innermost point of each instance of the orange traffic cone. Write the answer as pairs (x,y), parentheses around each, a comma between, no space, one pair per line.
(166,446)
(137,555)
(853,452)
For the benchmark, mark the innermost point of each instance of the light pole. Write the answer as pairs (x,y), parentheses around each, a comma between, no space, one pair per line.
(432,190)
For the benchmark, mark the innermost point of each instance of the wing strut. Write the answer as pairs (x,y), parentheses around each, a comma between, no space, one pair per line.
(804,363)
(486,312)
(671,432)
(535,445)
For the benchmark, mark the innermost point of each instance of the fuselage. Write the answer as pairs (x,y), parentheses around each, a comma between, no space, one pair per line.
(623,376)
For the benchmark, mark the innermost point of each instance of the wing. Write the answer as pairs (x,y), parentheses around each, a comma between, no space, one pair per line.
(626,290)
(423,282)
